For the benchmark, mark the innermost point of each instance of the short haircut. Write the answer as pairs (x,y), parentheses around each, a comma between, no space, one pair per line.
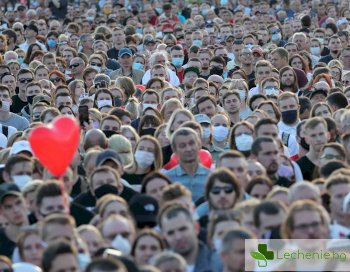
(203,99)
(286,95)
(174,191)
(256,146)
(173,210)
(231,236)
(282,52)
(56,218)
(267,207)
(338,100)
(183,132)
(314,122)
(105,264)
(50,188)
(263,122)
(12,161)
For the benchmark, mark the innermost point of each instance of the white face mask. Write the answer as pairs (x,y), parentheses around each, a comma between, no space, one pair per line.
(102,103)
(84,260)
(146,105)
(244,142)
(206,133)
(21,180)
(220,133)
(5,106)
(316,51)
(144,159)
(217,245)
(121,244)
(270,91)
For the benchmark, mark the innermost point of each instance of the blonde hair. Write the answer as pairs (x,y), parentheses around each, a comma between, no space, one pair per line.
(171,121)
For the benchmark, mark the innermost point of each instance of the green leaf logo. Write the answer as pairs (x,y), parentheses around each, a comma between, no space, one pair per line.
(256,255)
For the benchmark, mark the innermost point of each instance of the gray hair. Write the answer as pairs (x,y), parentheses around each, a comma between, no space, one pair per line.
(231,236)
(158,54)
(102,77)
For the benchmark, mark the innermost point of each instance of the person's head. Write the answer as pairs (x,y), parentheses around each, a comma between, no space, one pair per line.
(30,246)
(169,261)
(289,107)
(94,137)
(92,237)
(207,105)
(259,186)
(279,58)
(304,190)
(263,70)
(105,265)
(103,175)
(316,133)
(332,151)
(154,184)
(57,226)
(222,189)
(147,153)
(305,219)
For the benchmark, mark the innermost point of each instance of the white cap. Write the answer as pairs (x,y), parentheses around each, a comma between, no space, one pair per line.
(20,146)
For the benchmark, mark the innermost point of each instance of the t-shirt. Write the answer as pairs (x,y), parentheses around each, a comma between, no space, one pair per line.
(6,245)
(307,167)
(16,121)
(17,104)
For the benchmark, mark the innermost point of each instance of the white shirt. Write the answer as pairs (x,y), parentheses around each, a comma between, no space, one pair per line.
(174,80)
(25,46)
(292,130)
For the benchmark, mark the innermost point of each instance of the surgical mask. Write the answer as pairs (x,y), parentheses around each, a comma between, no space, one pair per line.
(147,131)
(249,45)
(270,91)
(204,12)
(216,71)
(220,133)
(90,18)
(178,61)
(30,99)
(20,60)
(51,43)
(137,65)
(290,116)
(321,40)
(244,142)
(276,37)
(149,105)
(98,68)
(139,30)
(206,133)
(315,51)
(5,106)
(102,103)
(198,43)
(21,180)
(121,244)
(84,260)
(223,2)
(242,95)
(217,245)
(285,171)
(144,159)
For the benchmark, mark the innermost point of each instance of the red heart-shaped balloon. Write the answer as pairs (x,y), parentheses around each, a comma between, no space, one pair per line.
(55,144)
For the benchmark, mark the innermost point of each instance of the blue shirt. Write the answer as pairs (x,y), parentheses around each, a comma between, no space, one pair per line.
(195,183)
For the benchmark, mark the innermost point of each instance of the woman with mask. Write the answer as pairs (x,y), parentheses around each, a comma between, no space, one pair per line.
(103,97)
(241,137)
(221,129)
(147,157)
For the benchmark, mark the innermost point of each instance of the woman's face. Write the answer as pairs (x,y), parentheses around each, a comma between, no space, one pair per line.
(115,207)
(42,74)
(36,48)
(145,145)
(296,63)
(163,140)
(79,89)
(156,86)
(147,246)
(179,120)
(322,111)
(260,191)
(335,73)
(92,240)
(103,96)
(269,111)
(67,112)
(33,249)
(155,187)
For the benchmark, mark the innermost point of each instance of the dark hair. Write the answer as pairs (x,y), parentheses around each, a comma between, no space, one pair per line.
(268,207)
(105,264)
(256,146)
(338,100)
(331,166)
(259,180)
(50,188)
(152,175)
(14,160)
(147,232)
(262,122)
(255,97)
(304,103)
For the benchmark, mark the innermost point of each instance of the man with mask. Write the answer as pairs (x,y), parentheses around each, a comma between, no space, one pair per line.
(334,45)
(19,168)
(33,89)
(217,66)
(177,58)
(289,107)
(316,135)
(197,38)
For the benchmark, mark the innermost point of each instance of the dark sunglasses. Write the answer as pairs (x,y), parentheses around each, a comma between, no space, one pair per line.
(74,65)
(25,80)
(217,190)
(96,64)
(56,79)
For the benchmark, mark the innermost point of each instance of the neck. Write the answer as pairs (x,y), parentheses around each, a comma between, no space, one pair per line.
(234,117)
(126,70)
(192,255)
(22,95)
(4,115)
(219,144)
(13,231)
(334,54)
(205,72)
(190,168)
(302,151)
(313,156)
(247,68)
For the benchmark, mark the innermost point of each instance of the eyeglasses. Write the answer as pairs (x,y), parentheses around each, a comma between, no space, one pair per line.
(25,80)
(75,65)
(56,79)
(217,190)
(305,227)
(346,82)
(96,64)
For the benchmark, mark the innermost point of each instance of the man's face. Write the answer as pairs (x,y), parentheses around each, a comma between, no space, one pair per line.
(180,234)
(238,166)
(110,125)
(232,104)
(10,82)
(288,104)
(287,78)
(222,196)
(269,157)
(234,260)
(119,36)
(187,148)
(237,48)
(125,60)
(101,178)
(269,222)
(115,227)
(77,66)
(334,45)
(160,72)
(301,42)
(64,263)
(308,225)
(207,107)
(268,130)
(277,61)
(317,137)
(64,101)
(50,63)
(22,168)
(292,49)
(246,56)
(33,91)
(14,210)
(262,72)
(150,99)
(56,204)
(23,80)
(345,58)
(337,194)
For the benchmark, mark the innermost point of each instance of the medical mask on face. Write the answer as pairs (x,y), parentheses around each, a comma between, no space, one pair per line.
(146,105)
(139,30)
(276,37)
(321,40)
(249,45)
(51,43)
(102,103)
(178,61)
(30,99)
(98,68)
(5,106)
(90,18)
(198,43)
(206,133)
(137,65)
(21,180)
(220,133)
(216,71)
(285,171)
(109,133)
(315,51)
(144,159)
(290,116)
(217,245)
(20,60)
(270,91)
(223,2)
(84,260)
(244,142)
(121,244)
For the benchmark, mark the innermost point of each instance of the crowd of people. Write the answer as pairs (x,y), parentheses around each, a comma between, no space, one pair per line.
(203,123)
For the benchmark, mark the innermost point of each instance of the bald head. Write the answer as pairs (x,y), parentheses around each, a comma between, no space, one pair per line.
(95,137)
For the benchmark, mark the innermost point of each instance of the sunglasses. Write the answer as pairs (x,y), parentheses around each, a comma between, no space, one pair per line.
(56,79)
(75,65)
(346,82)
(217,190)
(96,64)
(25,80)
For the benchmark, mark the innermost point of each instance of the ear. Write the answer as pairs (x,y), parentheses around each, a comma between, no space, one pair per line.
(197,227)
(6,177)
(307,139)
(328,136)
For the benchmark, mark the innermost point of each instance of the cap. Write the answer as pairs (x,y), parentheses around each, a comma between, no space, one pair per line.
(149,40)
(125,51)
(25,267)
(191,69)
(167,26)
(202,118)
(7,189)
(144,209)
(106,155)
(20,146)
(342,21)
(42,98)
(33,27)
(141,87)
(258,50)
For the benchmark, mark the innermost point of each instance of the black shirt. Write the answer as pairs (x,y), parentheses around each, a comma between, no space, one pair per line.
(61,12)
(326,59)
(17,104)
(113,53)
(307,167)
(134,179)
(6,245)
